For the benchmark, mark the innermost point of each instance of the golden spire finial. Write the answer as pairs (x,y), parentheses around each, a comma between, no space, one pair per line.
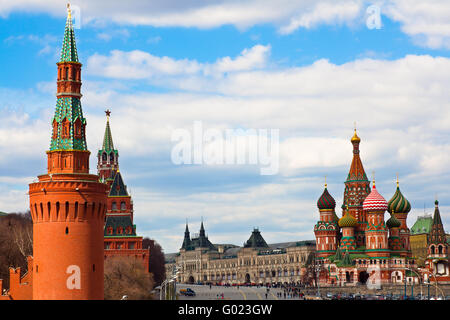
(325,181)
(373,178)
(397,181)
(69,13)
(355,137)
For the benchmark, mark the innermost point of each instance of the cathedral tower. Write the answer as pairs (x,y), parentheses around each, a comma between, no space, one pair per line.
(68,204)
(326,229)
(399,207)
(374,207)
(357,187)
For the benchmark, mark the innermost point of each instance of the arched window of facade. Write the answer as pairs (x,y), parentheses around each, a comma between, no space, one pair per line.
(123,206)
(114,206)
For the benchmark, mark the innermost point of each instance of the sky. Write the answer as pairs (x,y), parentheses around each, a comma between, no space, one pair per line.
(309,69)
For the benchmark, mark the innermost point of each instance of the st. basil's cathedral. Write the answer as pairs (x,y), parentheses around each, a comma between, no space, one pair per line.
(361,247)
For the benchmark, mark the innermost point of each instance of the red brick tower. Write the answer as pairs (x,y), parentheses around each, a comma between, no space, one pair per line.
(68,204)
(120,234)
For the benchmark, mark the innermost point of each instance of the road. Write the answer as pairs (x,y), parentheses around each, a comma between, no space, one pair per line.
(203,292)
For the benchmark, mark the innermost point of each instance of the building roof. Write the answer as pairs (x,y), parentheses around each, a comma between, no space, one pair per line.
(356,168)
(256,240)
(422,225)
(69,47)
(374,201)
(118,188)
(115,222)
(326,201)
(108,145)
(398,202)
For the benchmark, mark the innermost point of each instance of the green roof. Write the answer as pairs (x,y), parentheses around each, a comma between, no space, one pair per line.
(115,222)
(108,145)
(422,225)
(118,188)
(68,109)
(69,48)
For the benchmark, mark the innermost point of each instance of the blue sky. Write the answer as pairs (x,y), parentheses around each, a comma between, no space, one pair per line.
(308,68)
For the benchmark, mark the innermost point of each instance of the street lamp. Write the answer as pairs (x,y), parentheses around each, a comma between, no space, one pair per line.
(173,280)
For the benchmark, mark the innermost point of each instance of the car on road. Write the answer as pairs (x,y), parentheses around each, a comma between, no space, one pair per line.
(187,292)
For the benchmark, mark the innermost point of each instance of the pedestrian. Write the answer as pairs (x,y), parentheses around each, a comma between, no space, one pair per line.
(266,295)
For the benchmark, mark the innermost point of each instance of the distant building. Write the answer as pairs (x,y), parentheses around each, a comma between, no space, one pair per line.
(419,238)
(200,261)
(120,234)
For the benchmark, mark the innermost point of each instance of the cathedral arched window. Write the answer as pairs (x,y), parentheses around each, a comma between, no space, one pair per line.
(123,206)
(111,157)
(440,249)
(432,249)
(104,156)
(114,206)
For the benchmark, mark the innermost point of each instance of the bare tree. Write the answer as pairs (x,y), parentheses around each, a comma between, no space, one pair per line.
(125,276)
(156,260)
(16,243)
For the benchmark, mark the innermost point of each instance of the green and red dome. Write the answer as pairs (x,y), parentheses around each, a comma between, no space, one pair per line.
(326,201)
(398,203)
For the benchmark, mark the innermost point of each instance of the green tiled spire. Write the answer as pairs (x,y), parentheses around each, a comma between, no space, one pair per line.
(108,144)
(68,109)
(69,47)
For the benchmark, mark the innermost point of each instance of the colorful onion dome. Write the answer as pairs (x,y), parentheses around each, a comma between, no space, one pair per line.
(393,222)
(347,221)
(326,201)
(398,203)
(375,201)
(355,138)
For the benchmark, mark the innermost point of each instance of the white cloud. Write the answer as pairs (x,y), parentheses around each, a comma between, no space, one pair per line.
(428,22)
(138,64)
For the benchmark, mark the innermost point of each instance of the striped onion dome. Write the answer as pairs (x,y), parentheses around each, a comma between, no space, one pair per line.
(398,203)
(393,222)
(326,201)
(375,201)
(347,221)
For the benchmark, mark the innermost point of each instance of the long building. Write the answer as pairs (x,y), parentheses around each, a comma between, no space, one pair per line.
(256,262)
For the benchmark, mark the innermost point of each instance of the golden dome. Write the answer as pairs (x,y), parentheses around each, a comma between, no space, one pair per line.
(355,138)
